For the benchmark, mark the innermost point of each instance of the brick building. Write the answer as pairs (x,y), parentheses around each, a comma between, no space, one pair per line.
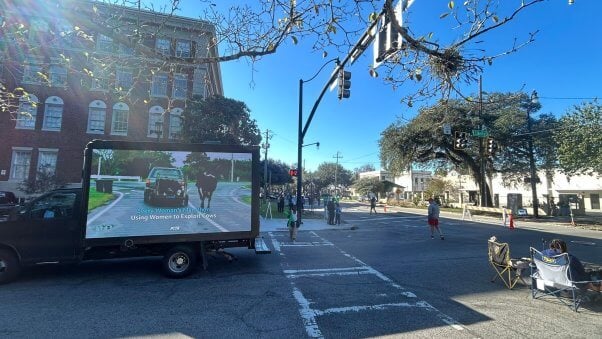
(76,70)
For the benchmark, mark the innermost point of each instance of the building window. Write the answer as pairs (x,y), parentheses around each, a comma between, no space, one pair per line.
(159,85)
(33,72)
(19,166)
(163,46)
(125,50)
(58,75)
(64,30)
(180,86)
(198,82)
(37,30)
(155,122)
(28,108)
(100,79)
(104,44)
(97,112)
(124,79)
(53,114)
(47,160)
(121,113)
(183,49)
(175,124)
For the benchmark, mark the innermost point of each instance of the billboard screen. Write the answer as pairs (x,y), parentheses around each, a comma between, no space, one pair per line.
(149,193)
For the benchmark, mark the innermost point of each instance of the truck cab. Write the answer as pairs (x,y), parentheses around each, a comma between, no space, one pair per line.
(46,230)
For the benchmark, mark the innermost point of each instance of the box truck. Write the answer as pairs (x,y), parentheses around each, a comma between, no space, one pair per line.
(173,200)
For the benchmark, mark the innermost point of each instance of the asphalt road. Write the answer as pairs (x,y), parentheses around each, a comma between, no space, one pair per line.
(382,277)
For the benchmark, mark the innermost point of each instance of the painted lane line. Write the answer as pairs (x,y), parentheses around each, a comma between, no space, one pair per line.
(307,314)
(275,242)
(442,316)
(322,270)
(293,276)
(379,307)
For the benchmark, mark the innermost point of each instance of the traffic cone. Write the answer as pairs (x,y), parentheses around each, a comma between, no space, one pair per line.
(511,222)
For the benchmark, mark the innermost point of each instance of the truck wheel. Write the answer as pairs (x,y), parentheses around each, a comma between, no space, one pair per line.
(179,262)
(9,266)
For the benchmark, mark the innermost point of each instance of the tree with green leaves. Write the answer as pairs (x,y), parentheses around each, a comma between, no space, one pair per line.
(219,119)
(277,172)
(364,186)
(580,140)
(421,142)
(324,175)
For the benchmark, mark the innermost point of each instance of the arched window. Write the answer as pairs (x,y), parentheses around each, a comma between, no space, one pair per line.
(97,113)
(175,124)
(121,115)
(155,122)
(53,114)
(28,110)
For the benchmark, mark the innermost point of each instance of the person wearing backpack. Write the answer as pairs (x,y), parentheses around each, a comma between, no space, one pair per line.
(292,224)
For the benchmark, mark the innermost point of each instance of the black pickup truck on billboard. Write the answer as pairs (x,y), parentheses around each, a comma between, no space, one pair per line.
(198,198)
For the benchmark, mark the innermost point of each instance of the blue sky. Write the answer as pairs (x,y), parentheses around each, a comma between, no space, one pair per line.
(564,62)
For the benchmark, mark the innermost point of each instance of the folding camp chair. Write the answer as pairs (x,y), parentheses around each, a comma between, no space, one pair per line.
(507,269)
(551,276)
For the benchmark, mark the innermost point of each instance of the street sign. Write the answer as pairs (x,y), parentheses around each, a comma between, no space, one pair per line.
(447,129)
(480,133)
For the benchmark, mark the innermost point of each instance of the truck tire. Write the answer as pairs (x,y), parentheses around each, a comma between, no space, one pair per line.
(179,261)
(9,266)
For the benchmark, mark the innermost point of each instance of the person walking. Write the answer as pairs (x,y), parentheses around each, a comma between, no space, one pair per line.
(337,213)
(373,204)
(292,224)
(281,203)
(433,218)
(330,208)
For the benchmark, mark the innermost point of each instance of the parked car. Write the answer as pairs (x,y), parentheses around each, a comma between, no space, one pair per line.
(8,201)
(166,185)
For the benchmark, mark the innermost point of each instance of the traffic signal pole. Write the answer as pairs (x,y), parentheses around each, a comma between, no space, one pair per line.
(355,51)
(483,182)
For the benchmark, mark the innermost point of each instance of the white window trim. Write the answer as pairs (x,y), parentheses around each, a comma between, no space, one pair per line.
(54,151)
(99,104)
(119,106)
(161,51)
(179,55)
(124,70)
(44,122)
(12,161)
(33,101)
(156,110)
(173,87)
(176,112)
(153,85)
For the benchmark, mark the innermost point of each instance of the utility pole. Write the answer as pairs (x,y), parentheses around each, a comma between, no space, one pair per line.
(336,169)
(266,145)
(483,191)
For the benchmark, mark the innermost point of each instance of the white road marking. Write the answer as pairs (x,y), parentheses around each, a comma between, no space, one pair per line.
(308,314)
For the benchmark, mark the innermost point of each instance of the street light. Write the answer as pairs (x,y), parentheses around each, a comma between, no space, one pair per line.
(302,130)
(534,101)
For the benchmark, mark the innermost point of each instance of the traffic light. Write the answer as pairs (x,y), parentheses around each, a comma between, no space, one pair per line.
(292,172)
(491,146)
(460,140)
(344,81)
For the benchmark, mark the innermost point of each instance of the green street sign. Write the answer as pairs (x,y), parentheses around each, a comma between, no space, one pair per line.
(480,133)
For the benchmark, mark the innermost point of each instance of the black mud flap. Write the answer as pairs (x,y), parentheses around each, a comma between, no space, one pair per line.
(261,247)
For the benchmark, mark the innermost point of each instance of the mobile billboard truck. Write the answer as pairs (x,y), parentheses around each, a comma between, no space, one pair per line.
(173,200)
